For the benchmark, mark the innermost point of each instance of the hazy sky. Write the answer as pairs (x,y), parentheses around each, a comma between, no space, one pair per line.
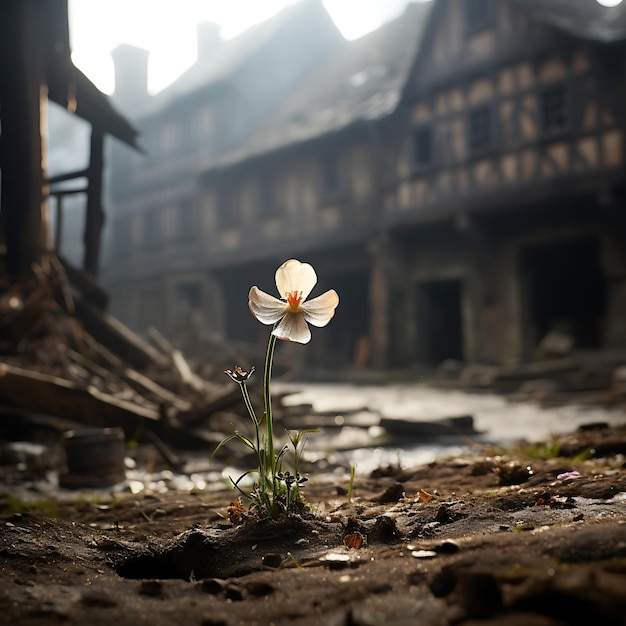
(167,28)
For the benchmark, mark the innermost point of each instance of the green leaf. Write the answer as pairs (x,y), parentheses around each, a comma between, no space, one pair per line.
(296,436)
(244,439)
(235,435)
(222,443)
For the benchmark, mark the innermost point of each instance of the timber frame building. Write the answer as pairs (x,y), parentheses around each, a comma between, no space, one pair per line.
(458,176)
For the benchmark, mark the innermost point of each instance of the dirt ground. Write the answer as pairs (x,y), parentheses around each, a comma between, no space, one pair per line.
(493,538)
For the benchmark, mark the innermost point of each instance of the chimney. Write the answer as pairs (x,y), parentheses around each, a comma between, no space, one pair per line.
(131,78)
(209,39)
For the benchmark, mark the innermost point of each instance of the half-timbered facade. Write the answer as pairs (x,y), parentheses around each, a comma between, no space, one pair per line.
(458,178)
(511,154)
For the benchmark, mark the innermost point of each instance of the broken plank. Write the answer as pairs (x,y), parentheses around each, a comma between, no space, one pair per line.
(37,392)
(118,338)
(187,376)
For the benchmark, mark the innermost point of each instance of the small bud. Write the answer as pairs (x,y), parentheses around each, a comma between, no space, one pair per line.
(238,375)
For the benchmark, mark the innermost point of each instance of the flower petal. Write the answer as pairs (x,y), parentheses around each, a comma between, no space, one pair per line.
(295,276)
(267,309)
(320,310)
(293,328)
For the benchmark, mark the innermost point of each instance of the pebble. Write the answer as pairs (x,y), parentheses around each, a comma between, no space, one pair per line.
(272,559)
(424,554)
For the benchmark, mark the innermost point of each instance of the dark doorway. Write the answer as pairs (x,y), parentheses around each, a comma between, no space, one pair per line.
(564,291)
(440,322)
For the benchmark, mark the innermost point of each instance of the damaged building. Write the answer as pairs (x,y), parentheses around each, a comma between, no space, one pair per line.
(457,176)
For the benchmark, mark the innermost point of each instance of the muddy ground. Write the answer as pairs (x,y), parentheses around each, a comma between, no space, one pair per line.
(491,538)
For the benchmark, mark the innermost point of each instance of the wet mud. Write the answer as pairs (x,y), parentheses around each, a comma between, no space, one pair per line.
(496,537)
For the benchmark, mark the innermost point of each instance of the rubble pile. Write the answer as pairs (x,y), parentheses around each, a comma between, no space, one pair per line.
(65,362)
(571,375)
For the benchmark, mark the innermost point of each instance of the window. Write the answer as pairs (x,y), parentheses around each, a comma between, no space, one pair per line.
(187,219)
(227,209)
(478,15)
(152,222)
(553,109)
(422,145)
(267,198)
(480,128)
(331,179)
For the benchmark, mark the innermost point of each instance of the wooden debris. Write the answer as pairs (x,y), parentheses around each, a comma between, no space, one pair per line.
(73,363)
(110,332)
(37,392)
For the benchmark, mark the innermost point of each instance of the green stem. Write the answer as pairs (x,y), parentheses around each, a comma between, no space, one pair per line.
(267,399)
(248,403)
(253,417)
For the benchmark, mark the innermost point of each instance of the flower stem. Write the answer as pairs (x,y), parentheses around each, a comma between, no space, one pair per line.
(267,399)
(248,403)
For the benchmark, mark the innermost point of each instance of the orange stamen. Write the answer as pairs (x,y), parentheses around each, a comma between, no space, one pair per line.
(294,298)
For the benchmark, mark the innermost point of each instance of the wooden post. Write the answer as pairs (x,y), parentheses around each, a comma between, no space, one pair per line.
(59,224)
(22,90)
(95,215)
(379,306)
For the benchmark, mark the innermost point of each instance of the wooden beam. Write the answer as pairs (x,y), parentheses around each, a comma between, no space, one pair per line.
(22,92)
(95,215)
(68,176)
(116,337)
(59,225)
(42,393)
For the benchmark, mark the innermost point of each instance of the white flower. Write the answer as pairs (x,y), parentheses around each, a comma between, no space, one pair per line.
(294,281)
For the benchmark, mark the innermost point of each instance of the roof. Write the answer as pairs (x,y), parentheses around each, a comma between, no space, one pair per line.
(582,18)
(228,57)
(68,86)
(362,81)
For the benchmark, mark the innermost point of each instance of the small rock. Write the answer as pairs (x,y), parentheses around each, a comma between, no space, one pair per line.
(447,547)
(337,560)
(512,474)
(212,586)
(481,468)
(385,530)
(393,493)
(272,559)
(556,344)
(424,554)
(442,515)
